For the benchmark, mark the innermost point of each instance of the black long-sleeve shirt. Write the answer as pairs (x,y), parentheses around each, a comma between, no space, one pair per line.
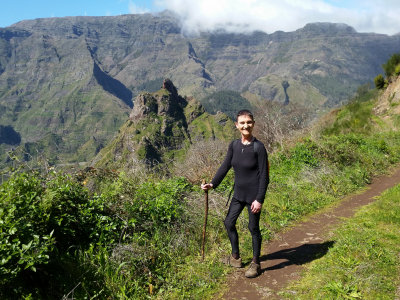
(251,170)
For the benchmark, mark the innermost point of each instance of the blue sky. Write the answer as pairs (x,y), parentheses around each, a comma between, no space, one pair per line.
(380,16)
(13,11)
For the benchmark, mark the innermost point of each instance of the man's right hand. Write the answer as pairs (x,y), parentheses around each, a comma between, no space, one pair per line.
(206,186)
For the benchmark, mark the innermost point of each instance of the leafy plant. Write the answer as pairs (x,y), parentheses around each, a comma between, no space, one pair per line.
(390,65)
(397,70)
(43,221)
(379,82)
(25,242)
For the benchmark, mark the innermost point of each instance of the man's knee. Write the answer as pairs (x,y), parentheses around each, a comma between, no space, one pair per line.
(229,225)
(254,229)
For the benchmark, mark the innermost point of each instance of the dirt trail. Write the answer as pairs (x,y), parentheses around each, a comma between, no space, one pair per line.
(303,243)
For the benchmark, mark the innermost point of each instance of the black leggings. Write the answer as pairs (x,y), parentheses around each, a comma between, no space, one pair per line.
(234,211)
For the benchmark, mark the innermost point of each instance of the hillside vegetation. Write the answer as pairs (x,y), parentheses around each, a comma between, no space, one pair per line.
(100,233)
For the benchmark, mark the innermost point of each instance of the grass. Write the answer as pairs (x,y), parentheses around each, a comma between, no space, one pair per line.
(364,262)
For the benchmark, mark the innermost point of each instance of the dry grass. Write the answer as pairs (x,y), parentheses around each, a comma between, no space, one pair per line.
(202,160)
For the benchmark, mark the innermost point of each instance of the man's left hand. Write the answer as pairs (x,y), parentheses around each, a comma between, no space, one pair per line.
(256,207)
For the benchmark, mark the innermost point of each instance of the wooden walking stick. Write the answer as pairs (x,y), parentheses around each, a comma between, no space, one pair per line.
(205,222)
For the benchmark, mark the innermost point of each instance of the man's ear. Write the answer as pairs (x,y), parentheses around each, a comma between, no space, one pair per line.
(237,125)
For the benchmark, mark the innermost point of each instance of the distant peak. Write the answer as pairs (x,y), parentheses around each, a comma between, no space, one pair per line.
(326,28)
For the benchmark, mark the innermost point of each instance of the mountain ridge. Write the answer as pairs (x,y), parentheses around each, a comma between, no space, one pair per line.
(75,78)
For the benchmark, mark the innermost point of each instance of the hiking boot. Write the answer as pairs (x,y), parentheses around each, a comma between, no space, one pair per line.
(231,261)
(253,271)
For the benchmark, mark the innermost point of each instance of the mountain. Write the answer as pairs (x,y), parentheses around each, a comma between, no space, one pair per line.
(162,125)
(68,84)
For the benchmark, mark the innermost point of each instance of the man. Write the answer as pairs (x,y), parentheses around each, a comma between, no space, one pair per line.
(249,160)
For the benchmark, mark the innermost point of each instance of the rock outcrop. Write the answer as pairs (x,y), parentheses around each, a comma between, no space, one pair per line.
(160,125)
(166,102)
(388,104)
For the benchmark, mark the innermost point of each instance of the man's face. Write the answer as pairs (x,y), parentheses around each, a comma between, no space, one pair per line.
(245,125)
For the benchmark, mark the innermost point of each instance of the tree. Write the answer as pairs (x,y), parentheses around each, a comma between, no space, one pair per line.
(390,65)
(379,82)
(275,122)
(397,70)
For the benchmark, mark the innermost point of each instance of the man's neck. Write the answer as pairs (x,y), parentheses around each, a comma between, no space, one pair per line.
(247,139)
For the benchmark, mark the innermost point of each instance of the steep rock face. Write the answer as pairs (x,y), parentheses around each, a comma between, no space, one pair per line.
(160,126)
(166,103)
(388,104)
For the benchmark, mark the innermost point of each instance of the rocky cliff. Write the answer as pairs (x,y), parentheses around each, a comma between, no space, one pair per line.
(388,104)
(160,127)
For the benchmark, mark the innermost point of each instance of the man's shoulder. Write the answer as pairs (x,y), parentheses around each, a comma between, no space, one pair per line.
(258,145)
(235,142)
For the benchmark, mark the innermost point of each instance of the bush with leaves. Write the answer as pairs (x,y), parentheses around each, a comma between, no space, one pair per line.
(147,205)
(25,240)
(397,70)
(379,82)
(77,217)
(42,220)
(390,65)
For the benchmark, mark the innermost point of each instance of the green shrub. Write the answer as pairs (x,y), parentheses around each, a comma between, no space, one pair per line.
(43,221)
(379,82)
(25,241)
(76,217)
(149,205)
(397,70)
(304,153)
(390,65)
(355,117)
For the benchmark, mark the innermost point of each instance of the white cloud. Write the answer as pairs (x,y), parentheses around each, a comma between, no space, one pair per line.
(380,16)
(135,9)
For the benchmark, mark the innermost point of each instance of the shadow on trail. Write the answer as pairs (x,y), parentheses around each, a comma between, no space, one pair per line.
(298,255)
